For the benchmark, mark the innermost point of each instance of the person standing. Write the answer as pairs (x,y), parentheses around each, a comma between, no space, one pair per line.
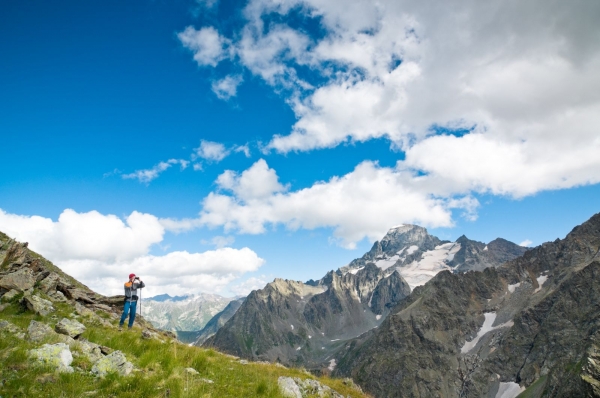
(131,299)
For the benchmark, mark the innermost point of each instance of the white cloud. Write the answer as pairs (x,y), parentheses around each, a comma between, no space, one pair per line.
(363,203)
(259,181)
(88,235)
(211,151)
(522,75)
(220,241)
(101,250)
(208,46)
(148,175)
(526,243)
(250,284)
(226,87)
(197,167)
(245,149)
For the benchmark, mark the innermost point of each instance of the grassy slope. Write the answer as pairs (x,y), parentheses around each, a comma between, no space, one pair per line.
(161,367)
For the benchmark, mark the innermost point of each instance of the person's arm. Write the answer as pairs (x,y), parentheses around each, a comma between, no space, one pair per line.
(140,284)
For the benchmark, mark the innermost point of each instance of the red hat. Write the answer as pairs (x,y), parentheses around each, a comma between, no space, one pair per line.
(131,276)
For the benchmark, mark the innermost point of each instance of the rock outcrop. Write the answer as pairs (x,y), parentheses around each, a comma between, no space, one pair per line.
(69,327)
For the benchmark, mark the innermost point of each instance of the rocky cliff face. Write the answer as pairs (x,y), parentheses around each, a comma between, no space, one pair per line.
(529,325)
(296,323)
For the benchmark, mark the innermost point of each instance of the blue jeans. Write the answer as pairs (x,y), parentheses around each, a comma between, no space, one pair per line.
(128,309)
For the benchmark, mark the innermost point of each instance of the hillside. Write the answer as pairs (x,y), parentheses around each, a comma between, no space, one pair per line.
(59,338)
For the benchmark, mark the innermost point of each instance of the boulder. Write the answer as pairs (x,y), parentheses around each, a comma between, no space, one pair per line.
(83,311)
(38,305)
(57,296)
(11,294)
(312,388)
(69,327)
(21,280)
(57,356)
(78,295)
(38,330)
(6,326)
(91,350)
(288,387)
(48,284)
(112,363)
(191,371)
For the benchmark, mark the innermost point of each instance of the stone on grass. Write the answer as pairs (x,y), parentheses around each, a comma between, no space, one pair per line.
(112,363)
(6,326)
(311,387)
(69,327)
(192,371)
(288,387)
(21,280)
(91,350)
(10,295)
(38,305)
(57,356)
(38,330)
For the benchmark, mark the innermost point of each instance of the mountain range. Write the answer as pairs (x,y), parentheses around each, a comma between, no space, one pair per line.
(307,324)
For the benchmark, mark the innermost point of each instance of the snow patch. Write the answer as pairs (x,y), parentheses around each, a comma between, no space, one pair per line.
(511,288)
(541,280)
(292,327)
(332,364)
(309,336)
(432,262)
(298,349)
(386,263)
(378,317)
(485,249)
(490,318)
(335,339)
(412,249)
(509,390)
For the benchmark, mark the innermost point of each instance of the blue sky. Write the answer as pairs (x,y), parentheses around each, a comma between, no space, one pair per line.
(291,133)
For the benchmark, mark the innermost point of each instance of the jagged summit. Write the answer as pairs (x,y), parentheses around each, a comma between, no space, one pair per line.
(419,256)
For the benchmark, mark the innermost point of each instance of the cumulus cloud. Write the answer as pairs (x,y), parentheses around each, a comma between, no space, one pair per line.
(520,78)
(147,175)
(211,151)
(360,204)
(208,46)
(101,250)
(226,88)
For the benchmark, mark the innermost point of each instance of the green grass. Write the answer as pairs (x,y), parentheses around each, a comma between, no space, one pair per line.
(160,367)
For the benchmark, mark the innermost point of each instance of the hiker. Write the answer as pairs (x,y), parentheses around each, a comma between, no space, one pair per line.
(131,299)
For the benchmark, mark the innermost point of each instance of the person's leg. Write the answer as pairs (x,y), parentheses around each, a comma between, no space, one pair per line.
(132,313)
(125,313)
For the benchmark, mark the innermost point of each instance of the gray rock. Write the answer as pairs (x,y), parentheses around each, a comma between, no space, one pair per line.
(57,356)
(10,295)
(288,387)
(37,331)
(58,296)
(93,351)
(21,280)
(69,327)
(312,388)
(48,284)
(6,326)
(38,305)
(192,371)
(116,362)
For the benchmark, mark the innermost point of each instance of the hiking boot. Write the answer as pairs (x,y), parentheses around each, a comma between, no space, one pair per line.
(120,328)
